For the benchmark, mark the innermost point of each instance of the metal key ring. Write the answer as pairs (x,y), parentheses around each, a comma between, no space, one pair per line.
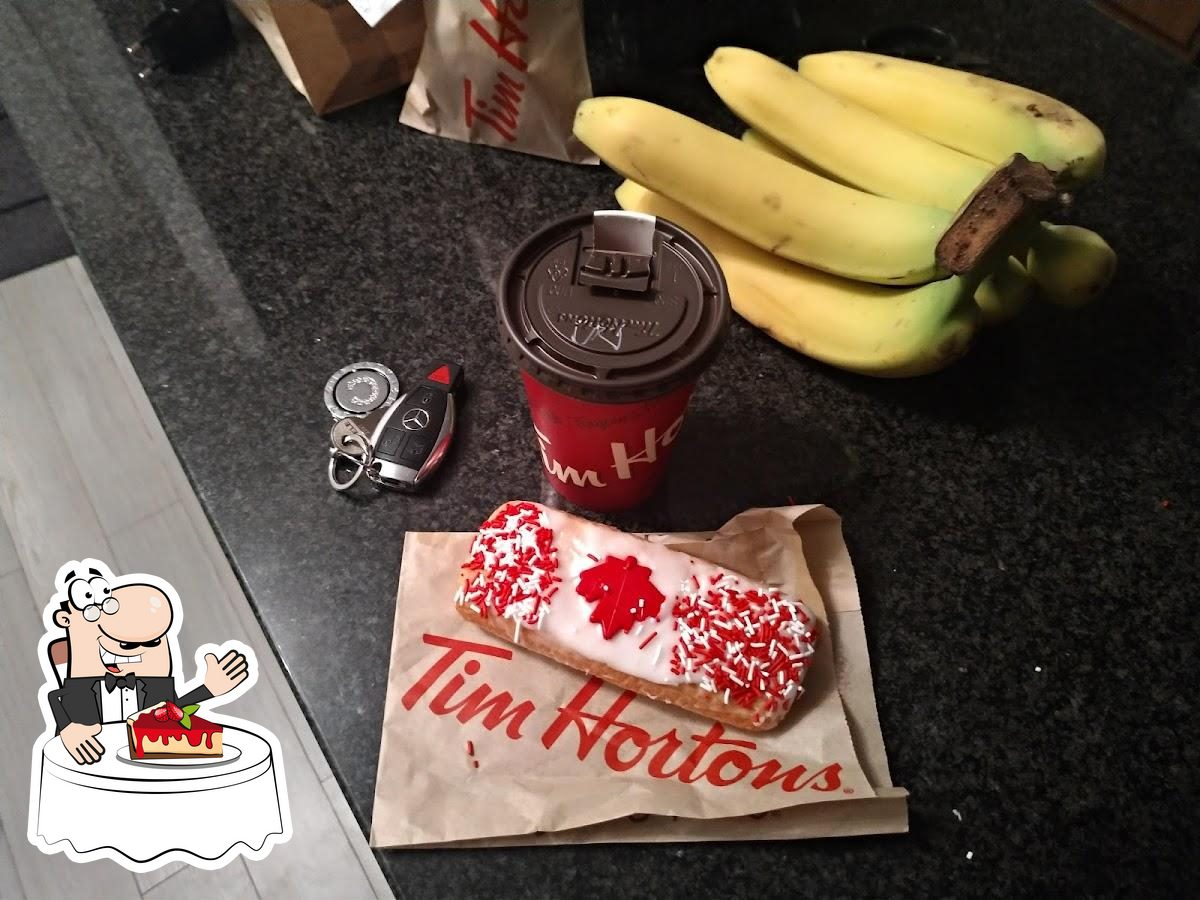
(336,453)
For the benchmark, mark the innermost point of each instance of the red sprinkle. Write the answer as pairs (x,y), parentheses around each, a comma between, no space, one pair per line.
(646,642)
(514,561)
(754,644)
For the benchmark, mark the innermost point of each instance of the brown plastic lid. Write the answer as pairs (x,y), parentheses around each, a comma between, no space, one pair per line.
(613,307)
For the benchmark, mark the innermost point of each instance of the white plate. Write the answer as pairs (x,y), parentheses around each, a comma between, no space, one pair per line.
(231,753)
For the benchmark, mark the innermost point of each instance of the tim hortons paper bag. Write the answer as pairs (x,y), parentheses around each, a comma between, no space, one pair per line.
(565,758)
(508,73)
(331,55)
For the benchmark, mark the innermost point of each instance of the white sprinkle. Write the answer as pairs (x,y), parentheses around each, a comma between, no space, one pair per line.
(957,814)
(657,651)
(517,632)
(970,854)
(726,695)
(1037,668)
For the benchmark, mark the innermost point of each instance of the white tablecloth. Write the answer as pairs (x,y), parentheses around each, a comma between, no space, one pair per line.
(150,813)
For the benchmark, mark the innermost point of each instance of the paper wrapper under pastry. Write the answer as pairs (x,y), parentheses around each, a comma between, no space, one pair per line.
(545,768)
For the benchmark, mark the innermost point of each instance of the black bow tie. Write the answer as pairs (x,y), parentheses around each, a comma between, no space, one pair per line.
(111,681)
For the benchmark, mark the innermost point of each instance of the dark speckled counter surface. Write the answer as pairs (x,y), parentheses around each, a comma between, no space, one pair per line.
(1034,506)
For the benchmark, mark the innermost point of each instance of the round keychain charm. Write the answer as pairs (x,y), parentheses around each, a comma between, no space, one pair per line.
(360,388)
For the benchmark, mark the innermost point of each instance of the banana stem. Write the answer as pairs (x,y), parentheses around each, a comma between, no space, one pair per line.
(1009,202)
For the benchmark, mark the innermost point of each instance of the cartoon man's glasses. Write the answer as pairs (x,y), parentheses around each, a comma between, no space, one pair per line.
(92,613)
(91,597)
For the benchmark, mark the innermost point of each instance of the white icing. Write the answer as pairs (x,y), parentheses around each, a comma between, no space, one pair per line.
(566,619)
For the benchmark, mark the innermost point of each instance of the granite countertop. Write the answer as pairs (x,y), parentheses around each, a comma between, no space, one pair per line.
(1023,525)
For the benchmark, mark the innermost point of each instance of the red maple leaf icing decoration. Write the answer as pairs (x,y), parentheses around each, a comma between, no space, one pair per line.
(623,593)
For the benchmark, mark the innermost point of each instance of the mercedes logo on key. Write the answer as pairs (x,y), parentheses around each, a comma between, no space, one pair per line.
(415,419)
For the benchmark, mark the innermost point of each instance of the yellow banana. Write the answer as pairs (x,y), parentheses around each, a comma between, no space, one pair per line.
(981,116)
(1004,292)
(768,202)
(999,297)
(1071,265)
(760,141)
(881,331)
(854,144)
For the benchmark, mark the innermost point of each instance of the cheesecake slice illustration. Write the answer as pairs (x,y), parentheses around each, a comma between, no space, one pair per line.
(166,731)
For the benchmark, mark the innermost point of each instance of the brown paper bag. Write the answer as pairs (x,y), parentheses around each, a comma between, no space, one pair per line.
(562,758)
(331,55)
(503,72)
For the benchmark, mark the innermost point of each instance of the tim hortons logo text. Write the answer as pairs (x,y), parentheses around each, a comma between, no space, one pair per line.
(455,684)
(622,461)
(501,32)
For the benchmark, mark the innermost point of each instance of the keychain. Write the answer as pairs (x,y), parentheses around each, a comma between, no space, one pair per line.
(398,443)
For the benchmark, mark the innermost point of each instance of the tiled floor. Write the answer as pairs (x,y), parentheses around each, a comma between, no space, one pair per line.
(86,470)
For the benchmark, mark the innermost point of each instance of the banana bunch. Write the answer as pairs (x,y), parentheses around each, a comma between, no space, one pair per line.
(847,134)
(827,216)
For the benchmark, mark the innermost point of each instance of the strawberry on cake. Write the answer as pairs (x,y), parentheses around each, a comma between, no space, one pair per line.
(639,615)
(166,731)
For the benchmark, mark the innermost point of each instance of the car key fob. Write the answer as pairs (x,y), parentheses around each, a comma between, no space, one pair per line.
(411,438)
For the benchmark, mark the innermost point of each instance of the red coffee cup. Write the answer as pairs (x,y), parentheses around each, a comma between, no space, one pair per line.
(612,317)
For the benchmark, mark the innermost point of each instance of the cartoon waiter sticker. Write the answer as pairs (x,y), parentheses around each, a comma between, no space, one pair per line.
(128,769)
(118,661)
